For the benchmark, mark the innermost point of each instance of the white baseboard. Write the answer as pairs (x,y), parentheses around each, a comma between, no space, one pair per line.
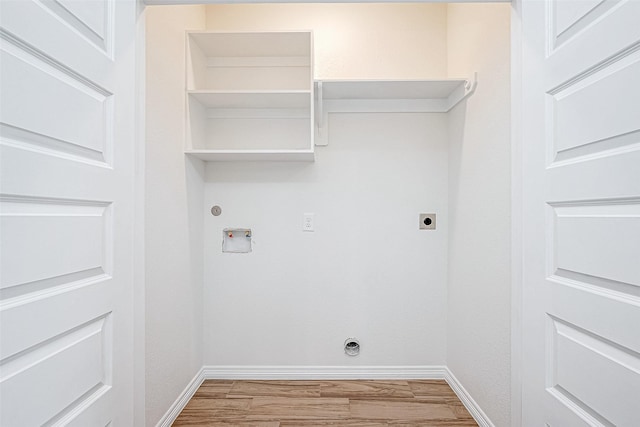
(232,372)
(474,409)
(170,416)
(323,372)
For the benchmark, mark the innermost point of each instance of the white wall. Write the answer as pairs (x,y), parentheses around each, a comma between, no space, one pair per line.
(173,216)
(367,271)
(478,350)
(354,41)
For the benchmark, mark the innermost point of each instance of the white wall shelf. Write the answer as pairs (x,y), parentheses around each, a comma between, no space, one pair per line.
(253,155)
(389,89)
(252,99)
(387,96)
(250,96)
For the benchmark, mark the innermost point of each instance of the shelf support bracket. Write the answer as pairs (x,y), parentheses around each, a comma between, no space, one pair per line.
(320,115)
(459,96)
(321,118)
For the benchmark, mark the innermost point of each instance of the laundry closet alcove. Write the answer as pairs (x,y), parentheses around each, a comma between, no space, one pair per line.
(364,116)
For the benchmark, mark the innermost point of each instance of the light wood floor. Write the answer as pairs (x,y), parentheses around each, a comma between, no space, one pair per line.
(368,403)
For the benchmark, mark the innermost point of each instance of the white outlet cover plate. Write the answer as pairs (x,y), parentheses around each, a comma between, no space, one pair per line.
(308,222)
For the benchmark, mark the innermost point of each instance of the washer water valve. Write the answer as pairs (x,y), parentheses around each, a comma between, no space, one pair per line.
(236,240)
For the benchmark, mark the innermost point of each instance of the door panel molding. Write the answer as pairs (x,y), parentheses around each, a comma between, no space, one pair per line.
(77,15)
(40,95)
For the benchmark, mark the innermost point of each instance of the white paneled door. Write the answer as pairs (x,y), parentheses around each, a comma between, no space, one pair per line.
(581,230)
(66,211)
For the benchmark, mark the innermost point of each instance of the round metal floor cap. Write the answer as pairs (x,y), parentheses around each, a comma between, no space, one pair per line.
(352,347)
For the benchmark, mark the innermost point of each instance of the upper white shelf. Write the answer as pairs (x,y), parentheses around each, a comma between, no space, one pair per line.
(252,44)
(437,96)
(386,96)
(252,99)
(249,61)
(389,89)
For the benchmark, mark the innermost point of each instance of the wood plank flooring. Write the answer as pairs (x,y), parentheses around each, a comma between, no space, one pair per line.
(366,403)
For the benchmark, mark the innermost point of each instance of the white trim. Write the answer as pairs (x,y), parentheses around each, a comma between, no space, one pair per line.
(139,295)
(174,410)
(517,220)
(183,2)
(474,409)
(323,372)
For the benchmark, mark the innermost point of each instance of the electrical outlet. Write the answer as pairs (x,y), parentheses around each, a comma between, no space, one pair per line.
(307,222)
(427,221)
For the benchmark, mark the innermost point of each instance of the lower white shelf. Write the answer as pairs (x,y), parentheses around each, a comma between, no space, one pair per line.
(242,129)
(253,155)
